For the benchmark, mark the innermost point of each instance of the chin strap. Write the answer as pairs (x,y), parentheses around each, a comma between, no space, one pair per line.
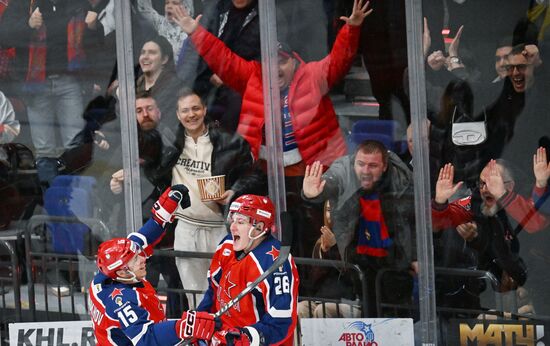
(251,240)
(131,280)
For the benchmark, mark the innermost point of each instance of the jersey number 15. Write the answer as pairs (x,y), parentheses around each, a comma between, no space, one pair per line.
(127,315)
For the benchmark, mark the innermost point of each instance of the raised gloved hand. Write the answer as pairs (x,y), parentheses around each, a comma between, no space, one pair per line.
(243,337)
(196,325)
(164,208)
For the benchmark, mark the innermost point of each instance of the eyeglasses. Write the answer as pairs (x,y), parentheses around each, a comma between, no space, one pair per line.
(481,184)
(521,67)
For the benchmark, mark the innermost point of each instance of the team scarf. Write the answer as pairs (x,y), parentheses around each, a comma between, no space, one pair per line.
(7,55)
(373,238)
(36,71)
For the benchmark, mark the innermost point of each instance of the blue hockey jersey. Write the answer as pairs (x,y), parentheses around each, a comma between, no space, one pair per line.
(270,308)
(131,314)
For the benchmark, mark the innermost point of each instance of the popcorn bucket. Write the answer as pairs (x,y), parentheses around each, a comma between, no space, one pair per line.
(211,188)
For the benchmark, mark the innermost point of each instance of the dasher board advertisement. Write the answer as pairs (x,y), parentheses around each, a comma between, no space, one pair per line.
(66,333)
(357,332)
(499,332)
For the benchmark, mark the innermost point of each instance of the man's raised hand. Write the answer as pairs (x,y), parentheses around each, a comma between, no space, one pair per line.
(313,184)
(495,182)
(358,14)
(185,21)
(445,188)
(455,44)
(541,168)
(426,38)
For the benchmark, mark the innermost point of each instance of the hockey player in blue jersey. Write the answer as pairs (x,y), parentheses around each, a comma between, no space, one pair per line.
(124,307)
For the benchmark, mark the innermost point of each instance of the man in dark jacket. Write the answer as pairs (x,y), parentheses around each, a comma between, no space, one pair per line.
(371,193)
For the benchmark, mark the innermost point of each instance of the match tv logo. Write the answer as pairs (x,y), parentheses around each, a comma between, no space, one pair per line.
(497,333)
(360,334)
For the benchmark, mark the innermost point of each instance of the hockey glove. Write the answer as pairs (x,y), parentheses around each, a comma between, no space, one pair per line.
(243,337)
(164,208)
(196,325)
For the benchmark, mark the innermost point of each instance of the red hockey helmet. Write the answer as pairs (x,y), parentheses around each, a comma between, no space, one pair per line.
(258,208)
(114,255)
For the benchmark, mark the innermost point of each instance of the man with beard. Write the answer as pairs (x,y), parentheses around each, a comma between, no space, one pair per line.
(490,219)
(152,156)
(371,193)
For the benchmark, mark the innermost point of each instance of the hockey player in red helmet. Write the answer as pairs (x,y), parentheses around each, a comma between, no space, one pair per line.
(259,212)
(266,316)
(124,306)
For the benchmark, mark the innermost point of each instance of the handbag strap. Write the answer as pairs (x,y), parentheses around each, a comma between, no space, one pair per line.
(454,113)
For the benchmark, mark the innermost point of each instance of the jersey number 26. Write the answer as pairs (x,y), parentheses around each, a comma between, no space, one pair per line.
(282,285)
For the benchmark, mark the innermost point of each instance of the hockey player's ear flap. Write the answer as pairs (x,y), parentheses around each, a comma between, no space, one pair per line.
(260,226)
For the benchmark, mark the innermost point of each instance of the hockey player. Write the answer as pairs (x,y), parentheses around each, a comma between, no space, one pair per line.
(124,307)
(266,316)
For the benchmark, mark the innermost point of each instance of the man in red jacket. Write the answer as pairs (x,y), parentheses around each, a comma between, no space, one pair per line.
(310,127)
(304,86)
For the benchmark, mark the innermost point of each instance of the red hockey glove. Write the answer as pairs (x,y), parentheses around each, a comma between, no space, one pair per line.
(164,208)
(243,337)
(196,325)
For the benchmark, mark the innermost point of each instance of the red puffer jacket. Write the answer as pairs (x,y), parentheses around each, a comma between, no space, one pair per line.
(316,128)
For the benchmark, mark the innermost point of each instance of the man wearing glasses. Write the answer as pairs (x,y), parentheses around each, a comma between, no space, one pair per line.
(528,76)
(489,219)
(521,66)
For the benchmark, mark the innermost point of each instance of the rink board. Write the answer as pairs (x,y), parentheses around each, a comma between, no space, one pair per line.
(66,333)
(357,332)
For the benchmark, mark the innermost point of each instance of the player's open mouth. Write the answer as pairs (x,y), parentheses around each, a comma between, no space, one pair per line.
(236,237)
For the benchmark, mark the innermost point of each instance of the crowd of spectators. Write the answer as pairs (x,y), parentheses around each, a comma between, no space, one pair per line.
(200,112)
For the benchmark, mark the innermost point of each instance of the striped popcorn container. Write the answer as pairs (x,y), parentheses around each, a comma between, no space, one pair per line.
(211,188)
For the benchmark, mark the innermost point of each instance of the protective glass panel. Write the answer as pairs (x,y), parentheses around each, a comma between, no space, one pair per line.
(59,149)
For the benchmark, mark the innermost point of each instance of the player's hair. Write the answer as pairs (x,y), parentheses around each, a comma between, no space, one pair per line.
(184,92)
(145,94)
(518,49)
(506,41)
(371,146)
